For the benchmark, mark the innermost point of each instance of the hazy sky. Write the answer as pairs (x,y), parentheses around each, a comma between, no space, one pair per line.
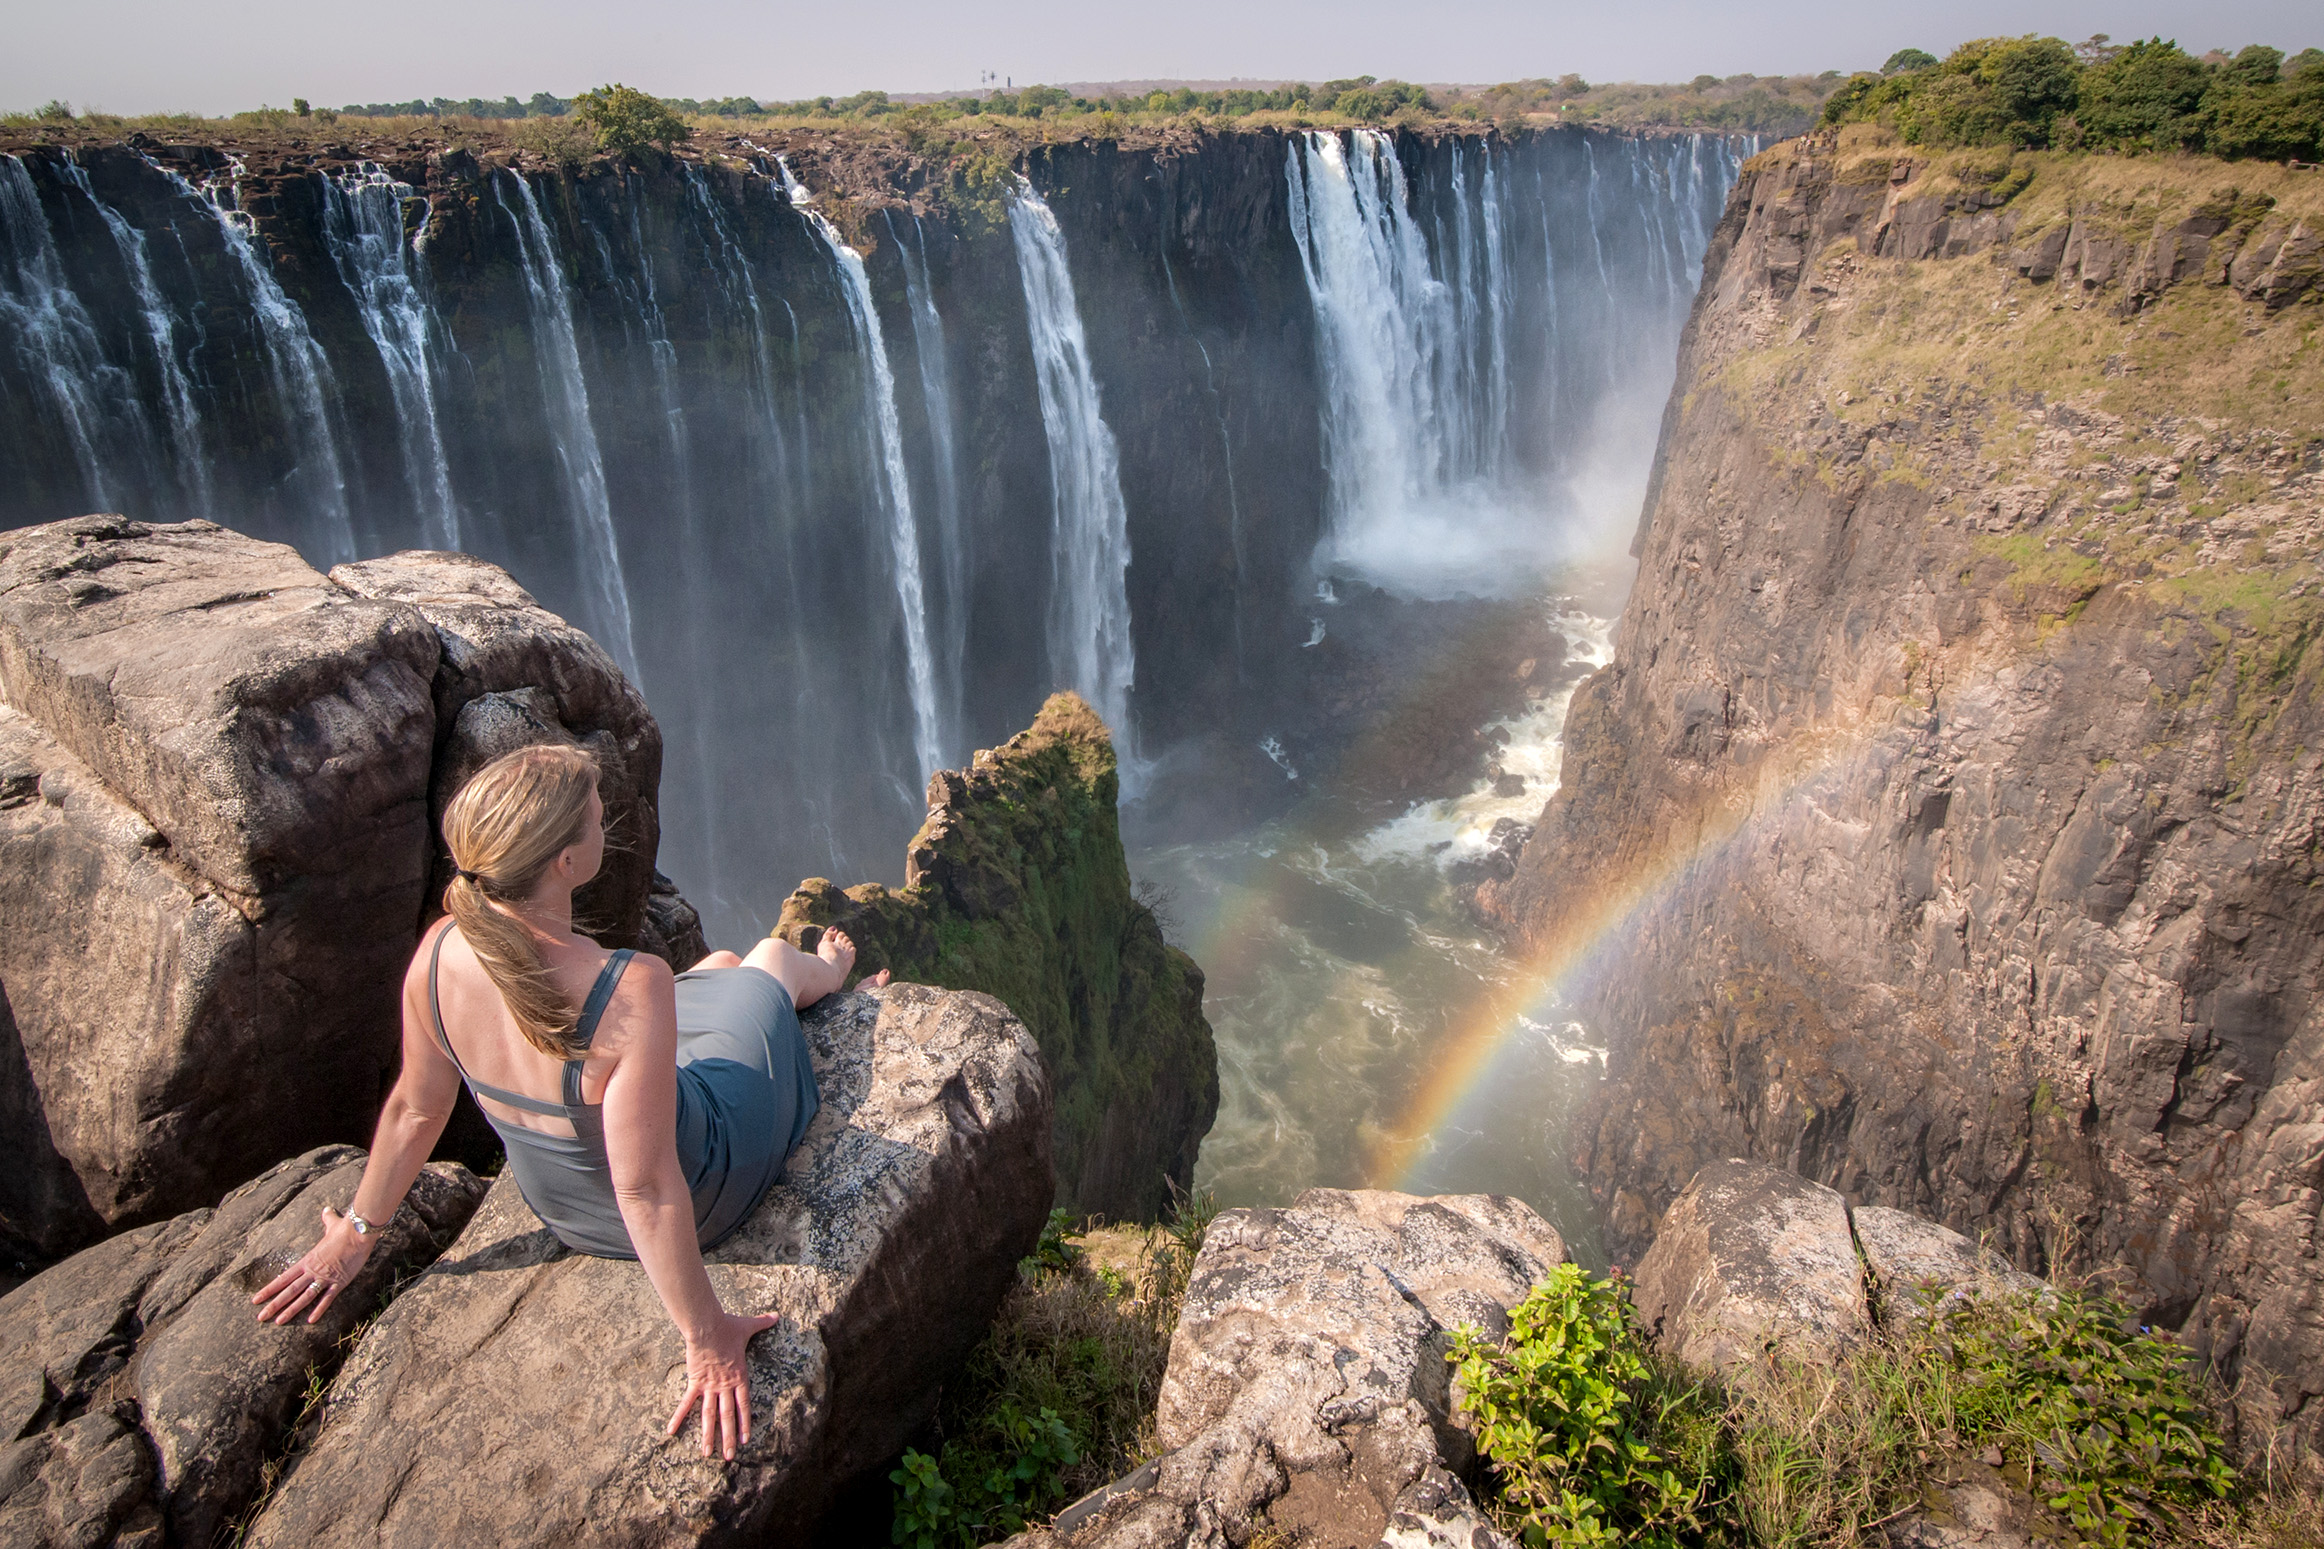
(146,56)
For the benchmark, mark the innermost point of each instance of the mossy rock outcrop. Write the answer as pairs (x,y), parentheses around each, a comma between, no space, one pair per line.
(1016,885)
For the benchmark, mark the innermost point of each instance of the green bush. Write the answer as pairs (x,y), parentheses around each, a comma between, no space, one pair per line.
(2147,96)
(626,120)
(2102,1412)
(1592,1442)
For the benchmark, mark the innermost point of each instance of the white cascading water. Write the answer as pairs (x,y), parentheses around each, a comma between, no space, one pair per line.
(1090,646)
(177,389)
(301,372)
(936,402)
(895,485)
(566,396)
(1402,427)
(51,330)
(363,221)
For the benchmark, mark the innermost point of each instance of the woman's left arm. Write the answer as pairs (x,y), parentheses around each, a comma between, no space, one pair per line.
(409,1126)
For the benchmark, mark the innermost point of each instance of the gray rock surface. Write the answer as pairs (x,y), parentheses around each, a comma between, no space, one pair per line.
(219,777)
(515,1393)
(141,1395)
(512,675)
(1963,747)
(1905,1254)
(1307,1386)
(1752,1259)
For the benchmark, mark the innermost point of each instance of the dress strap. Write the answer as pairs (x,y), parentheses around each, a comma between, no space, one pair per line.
(436,1004)
(585,1030)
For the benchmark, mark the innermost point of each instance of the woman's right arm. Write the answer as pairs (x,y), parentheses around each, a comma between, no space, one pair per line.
(641,1147)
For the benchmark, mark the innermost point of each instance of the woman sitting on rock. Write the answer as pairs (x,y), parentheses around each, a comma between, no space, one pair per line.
(644,1115)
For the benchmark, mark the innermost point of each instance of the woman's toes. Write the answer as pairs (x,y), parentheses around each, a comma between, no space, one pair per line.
(875,981)
(836,949)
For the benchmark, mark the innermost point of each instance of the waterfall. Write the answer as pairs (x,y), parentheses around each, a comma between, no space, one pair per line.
(1226,447)
(936,402)
(566,396)
(1090,648)
(895,489)
(54,337)
(160,325)
(1397,445)
(363,221)
(296,366)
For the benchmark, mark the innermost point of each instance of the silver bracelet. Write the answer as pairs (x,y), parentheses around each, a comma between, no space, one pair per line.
(362,1227)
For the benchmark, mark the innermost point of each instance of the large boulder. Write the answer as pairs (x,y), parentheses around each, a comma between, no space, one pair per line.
(1308,1388)
(515,1394)
(219,776)
(1752,1259)
(1906,1257)
(1016,885)
(513,675)
(141,1397)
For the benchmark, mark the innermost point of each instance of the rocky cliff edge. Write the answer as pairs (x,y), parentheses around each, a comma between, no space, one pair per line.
(1947,826)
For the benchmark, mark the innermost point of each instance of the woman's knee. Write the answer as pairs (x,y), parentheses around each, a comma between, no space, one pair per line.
(718,959)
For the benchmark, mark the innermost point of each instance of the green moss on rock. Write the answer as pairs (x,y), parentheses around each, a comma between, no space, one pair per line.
(1016,885)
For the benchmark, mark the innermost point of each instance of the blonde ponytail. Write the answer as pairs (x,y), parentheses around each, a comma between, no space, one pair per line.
(512,819)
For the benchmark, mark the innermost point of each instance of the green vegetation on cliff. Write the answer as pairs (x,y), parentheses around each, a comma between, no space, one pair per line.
(1017,886)
(2151,96)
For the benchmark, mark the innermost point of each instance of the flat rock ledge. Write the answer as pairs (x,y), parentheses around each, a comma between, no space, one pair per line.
(1751,1260)
(1308,1388)
(139,1395)
(515,1393)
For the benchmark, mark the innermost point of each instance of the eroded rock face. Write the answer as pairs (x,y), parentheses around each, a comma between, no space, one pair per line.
(515,1394)
(142,1396)
(1017,885)
(1308,1387)
(1958,767)
(219,778)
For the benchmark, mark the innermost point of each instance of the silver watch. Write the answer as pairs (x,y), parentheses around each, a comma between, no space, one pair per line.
(362,1227)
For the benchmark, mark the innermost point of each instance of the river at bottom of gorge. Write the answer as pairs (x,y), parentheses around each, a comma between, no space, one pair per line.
(1370,1033)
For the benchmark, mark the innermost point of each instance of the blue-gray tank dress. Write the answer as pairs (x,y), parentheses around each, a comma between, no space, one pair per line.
(745,1094)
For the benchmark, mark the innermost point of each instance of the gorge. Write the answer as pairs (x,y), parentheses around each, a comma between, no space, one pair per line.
(1935,817)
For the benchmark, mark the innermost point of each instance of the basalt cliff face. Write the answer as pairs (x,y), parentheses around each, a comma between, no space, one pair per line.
(1946,827)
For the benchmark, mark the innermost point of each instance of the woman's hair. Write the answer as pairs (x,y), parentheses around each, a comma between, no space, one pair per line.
(513,818)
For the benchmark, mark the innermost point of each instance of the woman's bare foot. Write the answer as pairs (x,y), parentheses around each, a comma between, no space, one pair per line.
(837,949)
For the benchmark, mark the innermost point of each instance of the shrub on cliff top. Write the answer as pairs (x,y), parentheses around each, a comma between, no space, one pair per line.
(1595,1440)
(2150,96)
(627,120)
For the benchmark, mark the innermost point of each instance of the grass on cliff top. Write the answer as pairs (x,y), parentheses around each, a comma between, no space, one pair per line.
(1060,1397)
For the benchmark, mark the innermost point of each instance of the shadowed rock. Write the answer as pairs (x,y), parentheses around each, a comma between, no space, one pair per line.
(1308,1387)
(516,1393)
(143,1396)
(220,774)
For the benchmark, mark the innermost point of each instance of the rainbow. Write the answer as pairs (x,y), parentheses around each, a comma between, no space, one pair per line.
(1464,1059)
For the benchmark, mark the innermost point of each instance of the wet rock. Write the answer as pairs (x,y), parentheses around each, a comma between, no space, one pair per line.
(143,1394)
(1751,1259)
(515,1394)
(1308,1388)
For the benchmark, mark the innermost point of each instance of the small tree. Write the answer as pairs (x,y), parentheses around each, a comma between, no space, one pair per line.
(626,120)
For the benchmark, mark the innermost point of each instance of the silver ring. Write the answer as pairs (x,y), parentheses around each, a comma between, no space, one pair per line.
(314,1285)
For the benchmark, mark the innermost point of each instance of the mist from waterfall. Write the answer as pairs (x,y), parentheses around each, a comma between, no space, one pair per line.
(1438,485)
(1090,648)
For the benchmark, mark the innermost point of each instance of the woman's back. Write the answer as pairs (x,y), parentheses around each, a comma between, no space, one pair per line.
(493,1051)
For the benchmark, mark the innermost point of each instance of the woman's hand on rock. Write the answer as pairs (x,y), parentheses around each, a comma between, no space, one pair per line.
(718,1376)
(316,1280)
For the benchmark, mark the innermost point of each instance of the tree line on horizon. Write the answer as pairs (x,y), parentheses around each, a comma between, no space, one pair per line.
(2037,93)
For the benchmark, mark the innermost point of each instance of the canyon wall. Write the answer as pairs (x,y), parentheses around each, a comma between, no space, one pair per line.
(1946,827)
(805,446)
